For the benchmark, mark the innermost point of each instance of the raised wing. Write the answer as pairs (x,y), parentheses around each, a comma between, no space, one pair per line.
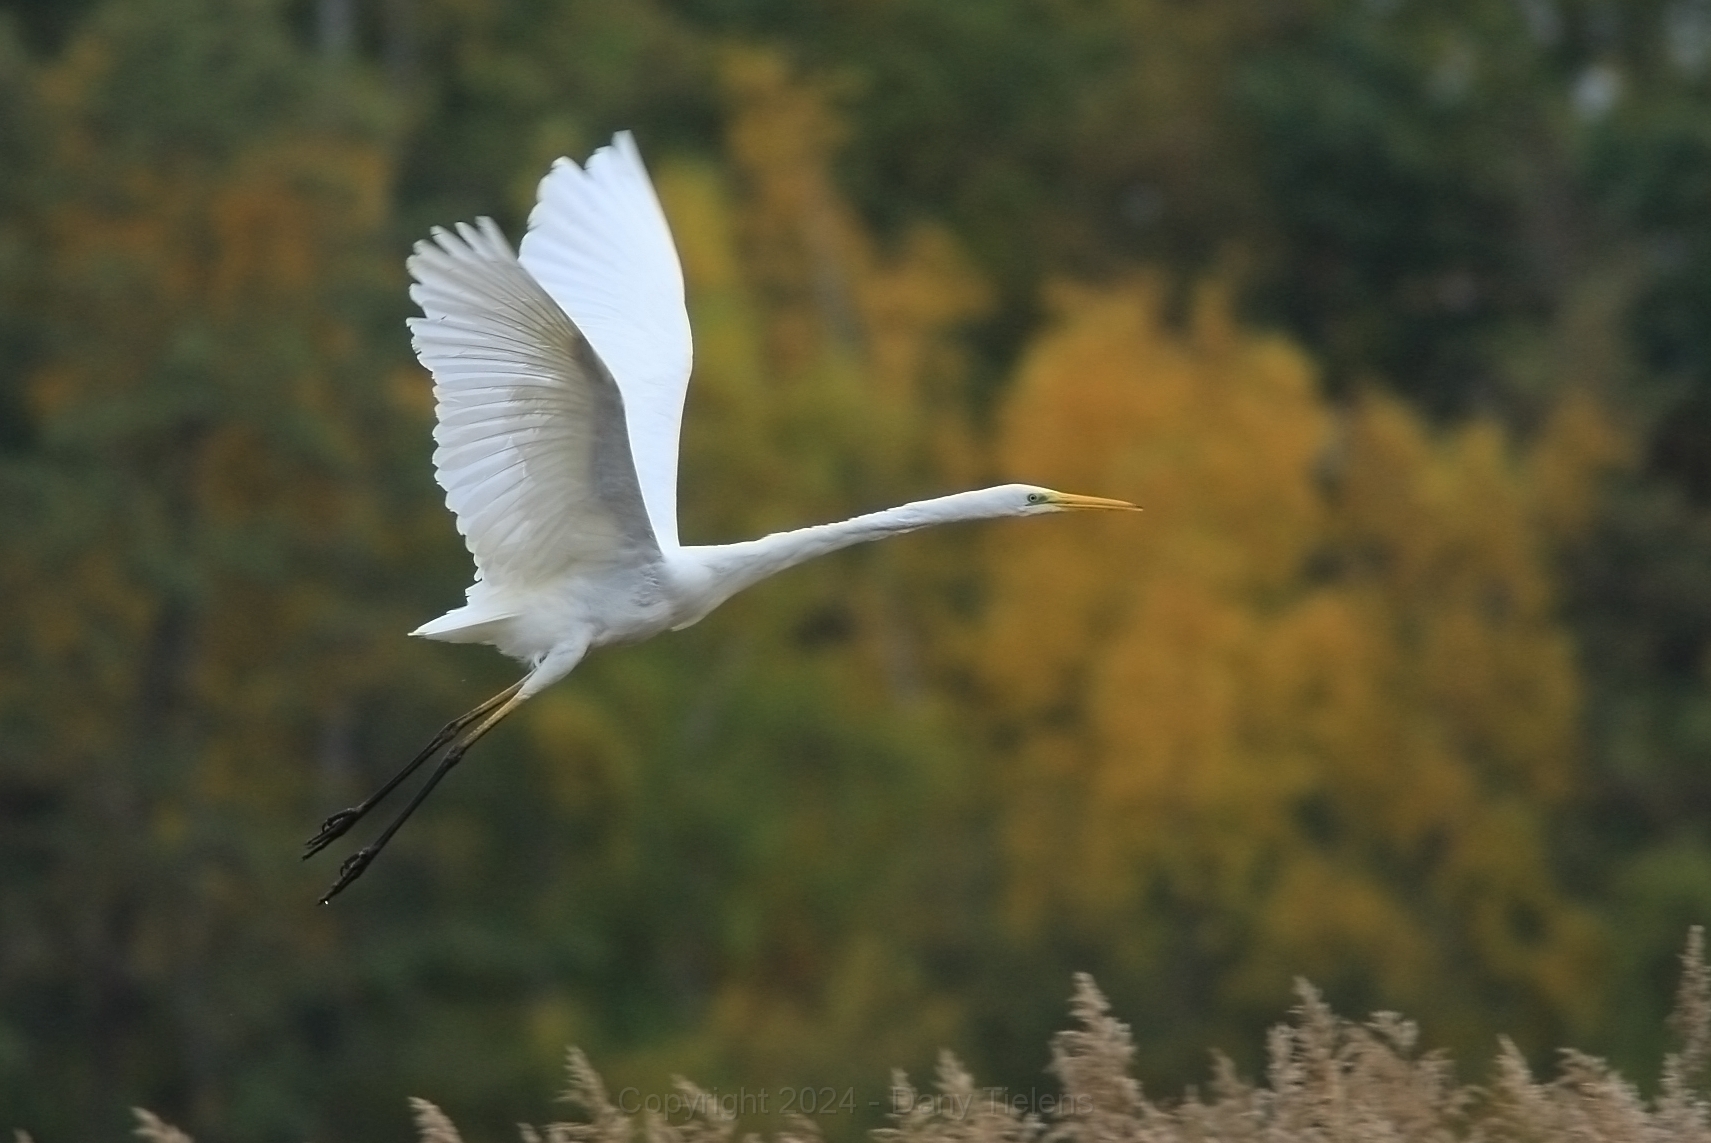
(532,453)
(598,242)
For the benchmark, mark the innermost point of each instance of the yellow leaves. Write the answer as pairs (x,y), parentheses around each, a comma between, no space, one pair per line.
(1577,446)
(1319,684)
(1451,534)
(266,232)
(284,217)
(828,375)
(798,239)
(909,301)
(858,340)
(1442,524)
(1113,401)
(1331,912)
(212,506)
(199,265)
(725,420)
(1213,434)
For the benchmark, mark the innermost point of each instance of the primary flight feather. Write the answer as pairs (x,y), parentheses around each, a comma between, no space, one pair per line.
(559,376)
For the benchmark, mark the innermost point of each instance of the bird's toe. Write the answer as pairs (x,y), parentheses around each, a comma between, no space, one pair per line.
(350,871)
(331,830)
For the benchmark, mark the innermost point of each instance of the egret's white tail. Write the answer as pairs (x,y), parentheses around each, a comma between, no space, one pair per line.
(472,623)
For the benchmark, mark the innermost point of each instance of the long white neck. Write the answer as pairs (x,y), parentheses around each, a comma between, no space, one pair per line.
(733,567)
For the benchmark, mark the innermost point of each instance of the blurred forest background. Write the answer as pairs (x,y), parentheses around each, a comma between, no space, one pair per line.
(1393,314)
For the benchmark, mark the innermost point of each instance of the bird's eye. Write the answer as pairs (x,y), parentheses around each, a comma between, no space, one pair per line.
(1036,497)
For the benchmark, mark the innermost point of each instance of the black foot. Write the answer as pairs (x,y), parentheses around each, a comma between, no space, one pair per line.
(350,871)
(331,830)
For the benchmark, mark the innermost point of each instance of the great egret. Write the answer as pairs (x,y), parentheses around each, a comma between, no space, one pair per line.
(559,374)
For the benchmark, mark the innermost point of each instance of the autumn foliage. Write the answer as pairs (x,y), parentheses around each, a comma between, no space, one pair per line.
(1317,700)
(1396,684)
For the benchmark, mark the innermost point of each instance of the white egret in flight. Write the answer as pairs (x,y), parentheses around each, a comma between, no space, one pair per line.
(559,375)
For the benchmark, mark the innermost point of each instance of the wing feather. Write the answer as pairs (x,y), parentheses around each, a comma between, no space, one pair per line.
(533,449)
(598,242)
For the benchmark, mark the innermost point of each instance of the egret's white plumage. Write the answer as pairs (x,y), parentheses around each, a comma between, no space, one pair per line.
(598,242)
(559,376)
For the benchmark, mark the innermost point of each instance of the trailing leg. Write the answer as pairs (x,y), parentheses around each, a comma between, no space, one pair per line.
(334,827)
(357,862)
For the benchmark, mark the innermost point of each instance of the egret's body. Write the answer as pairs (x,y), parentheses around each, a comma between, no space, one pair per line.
(628,601)
(559,376)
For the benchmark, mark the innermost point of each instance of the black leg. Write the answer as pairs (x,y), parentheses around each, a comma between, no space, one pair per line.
(357,862)
(334,827)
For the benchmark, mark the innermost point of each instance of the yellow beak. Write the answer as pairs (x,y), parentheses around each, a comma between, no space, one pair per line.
(1070,500)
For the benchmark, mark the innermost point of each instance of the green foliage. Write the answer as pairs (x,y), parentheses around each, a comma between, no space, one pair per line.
(1399,682)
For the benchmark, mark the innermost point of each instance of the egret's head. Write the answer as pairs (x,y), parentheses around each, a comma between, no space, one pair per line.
(1031,501)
